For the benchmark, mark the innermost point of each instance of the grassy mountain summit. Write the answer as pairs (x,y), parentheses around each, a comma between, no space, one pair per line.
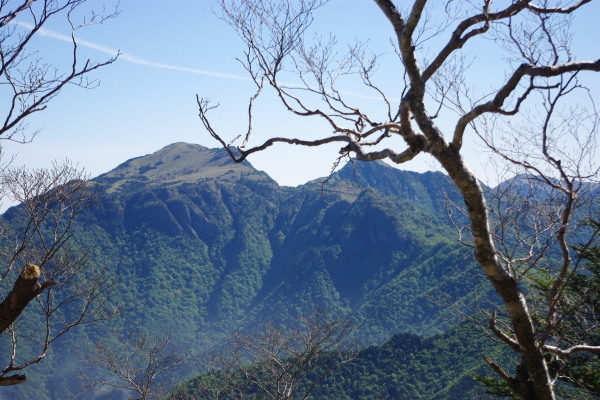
(178,163)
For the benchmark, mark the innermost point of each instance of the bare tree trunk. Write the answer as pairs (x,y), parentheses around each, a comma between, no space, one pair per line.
(25,289)
(535,384)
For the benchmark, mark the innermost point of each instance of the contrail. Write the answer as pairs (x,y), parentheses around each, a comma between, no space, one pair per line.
(127,57)
(142,61)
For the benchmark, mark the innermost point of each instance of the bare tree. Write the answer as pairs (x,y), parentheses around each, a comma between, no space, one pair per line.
(27,82)
(541,74)
(576,320)
(37,235)
(275,363)
(134,364)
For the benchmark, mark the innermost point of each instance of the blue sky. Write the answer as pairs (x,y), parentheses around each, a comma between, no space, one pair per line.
(172,51)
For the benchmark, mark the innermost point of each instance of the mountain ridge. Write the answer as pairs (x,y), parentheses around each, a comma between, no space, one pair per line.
(277,239)
(196,241)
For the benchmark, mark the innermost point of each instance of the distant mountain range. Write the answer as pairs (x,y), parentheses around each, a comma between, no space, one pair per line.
(201,245)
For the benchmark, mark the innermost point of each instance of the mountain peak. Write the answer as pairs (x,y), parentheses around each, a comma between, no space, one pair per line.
(179,163)
(426,188)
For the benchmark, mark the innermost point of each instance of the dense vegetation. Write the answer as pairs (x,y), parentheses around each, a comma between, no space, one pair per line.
(405,367)
(201,246)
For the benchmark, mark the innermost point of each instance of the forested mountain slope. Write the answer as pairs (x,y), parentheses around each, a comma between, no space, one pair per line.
(238,248)
(200,245)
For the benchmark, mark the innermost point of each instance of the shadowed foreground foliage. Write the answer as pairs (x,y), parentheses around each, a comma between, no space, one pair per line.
(405,367)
